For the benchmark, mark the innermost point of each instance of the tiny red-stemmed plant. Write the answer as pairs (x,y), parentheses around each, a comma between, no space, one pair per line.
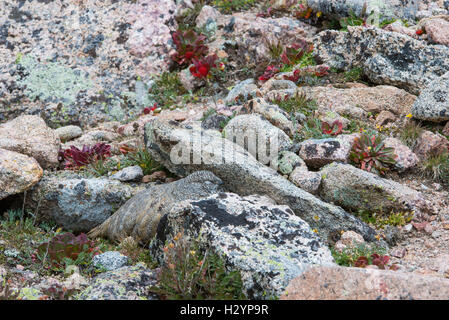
(147,110)
(75,158)
(369,152)
(381,261)
(201,68)
(269,73)
(66,246)
(333,129)
(189,46)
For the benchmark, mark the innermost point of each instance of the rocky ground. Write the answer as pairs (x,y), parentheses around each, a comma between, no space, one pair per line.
(287,149)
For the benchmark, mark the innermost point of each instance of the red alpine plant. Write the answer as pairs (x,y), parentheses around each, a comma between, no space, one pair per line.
(202,67)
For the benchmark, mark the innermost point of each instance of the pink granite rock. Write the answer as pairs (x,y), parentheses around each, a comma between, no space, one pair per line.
(431,143)
(438,31)
(334,282)
(406,159)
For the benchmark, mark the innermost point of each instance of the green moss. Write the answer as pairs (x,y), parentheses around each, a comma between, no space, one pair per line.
(228,6)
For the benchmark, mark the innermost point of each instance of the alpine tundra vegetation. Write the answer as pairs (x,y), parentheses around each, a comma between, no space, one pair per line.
(212,149)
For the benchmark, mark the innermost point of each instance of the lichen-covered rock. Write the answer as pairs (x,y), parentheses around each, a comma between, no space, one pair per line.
(316,153)
(110,260)
(133,173)
(305,179)
(183,151)
(433,102)
(289,161)
(125,283)
(405,159)
(258,136)
(31,136)
(272,113)
(242,92)
(69,132)
(18,173)
(370,99)
(343,283)
(355,189)
(139,217)
(246,36)
(385,9)
(85,58)
(78,203)
(267,243)
(386,57)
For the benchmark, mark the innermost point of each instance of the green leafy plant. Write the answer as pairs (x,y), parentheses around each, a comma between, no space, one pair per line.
(353,20)
(369,153)
(141,157)
(189,274)
(351,256)
(353,75)
(380,220)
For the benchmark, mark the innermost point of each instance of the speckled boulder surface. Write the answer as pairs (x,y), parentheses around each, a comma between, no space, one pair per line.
(266,242)
(433,102)
(126,283)
(386,57)
(405,159)
(316,153)
(258,136)
(18,173)
(78,203)
(388,9)
(355,189)
(31,136)
(85,57)
(438,30)
(275,115)
(370,99)
(343,283)
(133,173)
(110,260)
(243,174)
(244,35)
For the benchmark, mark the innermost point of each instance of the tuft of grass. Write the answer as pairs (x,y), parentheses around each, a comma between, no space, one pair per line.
(167,89)
(436,167)
(229,6)
(410,134)
(353,75)
(142,158)
(189,273)
(297,103)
